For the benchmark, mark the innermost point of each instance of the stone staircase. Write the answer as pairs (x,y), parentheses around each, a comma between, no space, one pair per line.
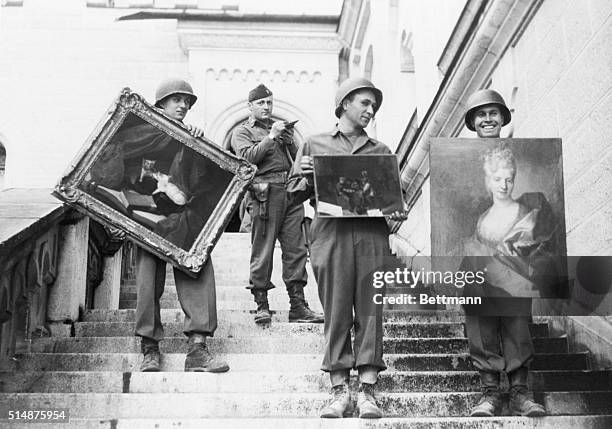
(275,381)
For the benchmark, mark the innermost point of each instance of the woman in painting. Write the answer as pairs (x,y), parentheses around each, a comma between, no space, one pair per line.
(512,245)
(516,236)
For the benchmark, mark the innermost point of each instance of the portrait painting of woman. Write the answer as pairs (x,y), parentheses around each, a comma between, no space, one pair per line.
(515,240)
(498,205)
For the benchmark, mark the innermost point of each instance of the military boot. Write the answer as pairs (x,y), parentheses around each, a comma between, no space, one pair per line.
(521,399)
(150,355)
(490,400)
(340,404)
(199,359)
(299,312)
(366,403)
(263,315)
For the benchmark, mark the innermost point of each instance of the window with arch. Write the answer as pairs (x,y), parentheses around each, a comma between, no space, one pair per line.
(406,57)
(369,63)
(343,64)
(2,159)
(2,164)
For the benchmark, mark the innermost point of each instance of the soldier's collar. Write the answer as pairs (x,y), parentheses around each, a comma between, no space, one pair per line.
(255,122)
(337,131)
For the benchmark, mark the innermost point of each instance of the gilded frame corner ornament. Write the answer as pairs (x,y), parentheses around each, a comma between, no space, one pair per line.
(75,186)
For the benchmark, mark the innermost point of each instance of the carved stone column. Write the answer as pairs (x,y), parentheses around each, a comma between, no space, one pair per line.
(67,296)
(107,292)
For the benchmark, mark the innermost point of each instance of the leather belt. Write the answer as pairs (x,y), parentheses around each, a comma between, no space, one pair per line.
(279,177)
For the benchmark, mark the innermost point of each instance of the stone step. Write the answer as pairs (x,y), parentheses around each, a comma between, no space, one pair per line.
(230,315)
(237,405)
(233,291)
(457,422)
(127,362)
(228,297)
(309,343)
(235,330)
(170,303)
(227,293)
(278,382)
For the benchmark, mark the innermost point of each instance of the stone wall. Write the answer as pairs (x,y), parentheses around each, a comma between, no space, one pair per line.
(387,31)
(557,79)
(67,62)
(63,67)
(560,68)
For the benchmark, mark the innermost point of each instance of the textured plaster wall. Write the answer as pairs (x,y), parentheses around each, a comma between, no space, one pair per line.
(561,69)
(61,66)
(557,79)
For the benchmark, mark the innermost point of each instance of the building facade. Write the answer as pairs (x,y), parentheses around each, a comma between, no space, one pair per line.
(63,62)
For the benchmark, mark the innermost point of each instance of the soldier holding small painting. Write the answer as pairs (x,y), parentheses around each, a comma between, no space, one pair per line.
(346,251)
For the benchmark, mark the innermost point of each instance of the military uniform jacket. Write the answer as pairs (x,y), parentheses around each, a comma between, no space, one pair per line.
(333,142)
(250,141)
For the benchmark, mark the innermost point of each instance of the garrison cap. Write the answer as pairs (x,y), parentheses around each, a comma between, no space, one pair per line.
(261,91)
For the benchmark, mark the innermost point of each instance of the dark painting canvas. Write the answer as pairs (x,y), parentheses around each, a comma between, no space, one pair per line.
(357,185)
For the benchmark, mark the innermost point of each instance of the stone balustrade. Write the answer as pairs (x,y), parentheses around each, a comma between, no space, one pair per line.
(54,264)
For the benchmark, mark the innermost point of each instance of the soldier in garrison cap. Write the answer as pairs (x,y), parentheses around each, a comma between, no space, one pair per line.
(344,254)
(499,343)
(174,97)
(269,145)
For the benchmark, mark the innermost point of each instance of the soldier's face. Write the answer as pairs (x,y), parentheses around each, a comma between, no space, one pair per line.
(360,110)
(176,106)
(261,109)
(488,121)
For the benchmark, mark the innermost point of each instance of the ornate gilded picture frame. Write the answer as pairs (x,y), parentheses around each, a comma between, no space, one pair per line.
(144,173)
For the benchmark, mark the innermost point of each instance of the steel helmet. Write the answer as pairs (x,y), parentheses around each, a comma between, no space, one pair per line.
(173,86)
(354,84)
(482,98)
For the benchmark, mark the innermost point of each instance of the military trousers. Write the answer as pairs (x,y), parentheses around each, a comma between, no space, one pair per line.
(197,298)
(283,221)
(344,254)
(499,343)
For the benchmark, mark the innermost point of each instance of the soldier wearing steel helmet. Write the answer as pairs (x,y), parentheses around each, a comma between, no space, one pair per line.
(486,114)
(344,253)
(174,97)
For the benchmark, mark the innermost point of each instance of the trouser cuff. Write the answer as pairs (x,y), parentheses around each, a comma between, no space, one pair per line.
(254,288)
(339,377)
(196,337)
(368,374)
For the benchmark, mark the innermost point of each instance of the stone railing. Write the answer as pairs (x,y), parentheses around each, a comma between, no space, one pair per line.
(54,263)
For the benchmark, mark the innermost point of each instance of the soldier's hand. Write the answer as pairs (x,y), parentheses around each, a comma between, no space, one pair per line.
(195,131)
(307,165)
(286,136)
(115,233)
(398,216)
(277,128)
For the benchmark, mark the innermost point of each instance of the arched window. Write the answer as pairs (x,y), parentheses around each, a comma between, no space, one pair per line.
(2,158)
(369,64)
(2,164)
(406,57)
(343,64)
